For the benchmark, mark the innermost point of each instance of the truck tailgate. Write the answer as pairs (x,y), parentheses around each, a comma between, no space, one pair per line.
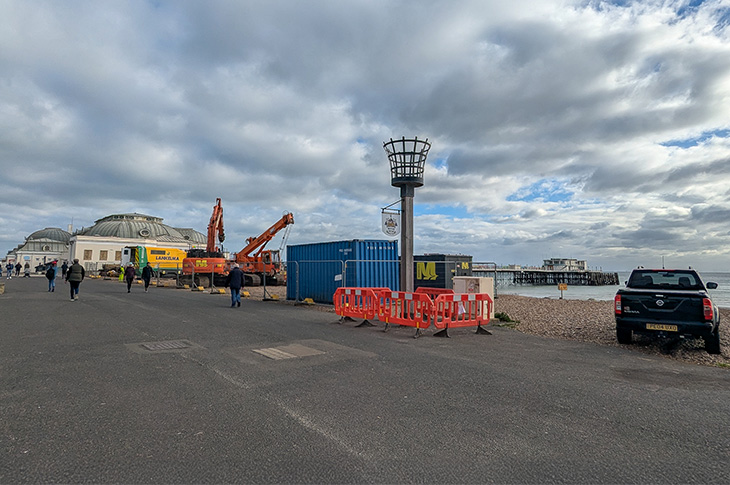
(674,306)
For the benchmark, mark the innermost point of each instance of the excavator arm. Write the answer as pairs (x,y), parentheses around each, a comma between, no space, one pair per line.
(259,242)
(215,225)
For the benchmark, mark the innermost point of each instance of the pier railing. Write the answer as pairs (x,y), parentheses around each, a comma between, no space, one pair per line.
(545,277)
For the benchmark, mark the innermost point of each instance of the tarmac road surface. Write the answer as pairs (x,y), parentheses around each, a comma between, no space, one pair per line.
(174,386)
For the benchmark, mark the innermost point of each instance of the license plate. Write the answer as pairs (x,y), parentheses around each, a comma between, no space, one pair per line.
(658,326)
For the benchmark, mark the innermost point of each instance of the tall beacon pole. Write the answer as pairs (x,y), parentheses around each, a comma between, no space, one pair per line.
(407,161)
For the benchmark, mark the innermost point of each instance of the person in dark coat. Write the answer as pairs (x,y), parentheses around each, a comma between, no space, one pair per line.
(26,271)
(129,275)
(51,276)
(235,282)
(64,268)
(74,277)
(146,276)
(18,267)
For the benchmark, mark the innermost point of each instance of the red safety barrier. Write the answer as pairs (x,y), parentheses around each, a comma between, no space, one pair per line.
(357,303)
(434,292)
(402,308)
(449,310)
(462,310)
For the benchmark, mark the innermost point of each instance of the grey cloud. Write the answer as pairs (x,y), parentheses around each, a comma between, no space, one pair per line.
(711,214)
(690,172)
(657,239)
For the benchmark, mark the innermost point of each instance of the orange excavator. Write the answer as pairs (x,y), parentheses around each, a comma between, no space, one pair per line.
(257,262)
(200,264)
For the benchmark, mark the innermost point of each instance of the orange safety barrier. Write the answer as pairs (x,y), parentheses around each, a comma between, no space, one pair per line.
(357,303)
(434,292)
(402,308)
(462,310)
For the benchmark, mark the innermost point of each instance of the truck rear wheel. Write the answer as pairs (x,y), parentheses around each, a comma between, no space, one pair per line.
(712,342)
(623,336)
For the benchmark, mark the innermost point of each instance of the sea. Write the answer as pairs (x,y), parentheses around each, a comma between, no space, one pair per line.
(720,296)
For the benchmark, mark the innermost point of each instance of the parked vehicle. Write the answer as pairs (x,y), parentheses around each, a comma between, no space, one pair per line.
(257,262)
(667,303)
(166,261)
(201,264)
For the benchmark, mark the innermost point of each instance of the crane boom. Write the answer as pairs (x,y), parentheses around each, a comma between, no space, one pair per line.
(259,242)
(215,225)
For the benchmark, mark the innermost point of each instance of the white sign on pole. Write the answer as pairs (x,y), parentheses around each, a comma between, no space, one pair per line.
(391,223)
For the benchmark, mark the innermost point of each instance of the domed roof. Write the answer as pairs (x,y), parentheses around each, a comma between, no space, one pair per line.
(132,226)
(52,233)
(43,245)
(192,235)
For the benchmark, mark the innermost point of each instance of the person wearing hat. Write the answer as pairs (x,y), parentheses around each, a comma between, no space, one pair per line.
(235,282)
(129,275)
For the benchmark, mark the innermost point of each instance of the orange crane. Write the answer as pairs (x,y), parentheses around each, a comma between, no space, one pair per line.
(215,225)
(211,261)
(258,262)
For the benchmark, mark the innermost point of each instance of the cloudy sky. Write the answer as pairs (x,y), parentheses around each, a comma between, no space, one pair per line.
(590,129)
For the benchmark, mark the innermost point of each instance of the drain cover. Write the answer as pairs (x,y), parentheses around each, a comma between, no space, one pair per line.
(275,354)
(288,352)
(167,345)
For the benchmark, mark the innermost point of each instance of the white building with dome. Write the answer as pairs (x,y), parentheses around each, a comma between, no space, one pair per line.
(41,247)
(102,243)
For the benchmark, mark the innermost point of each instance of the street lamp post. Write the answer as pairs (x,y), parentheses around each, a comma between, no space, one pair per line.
(407,161)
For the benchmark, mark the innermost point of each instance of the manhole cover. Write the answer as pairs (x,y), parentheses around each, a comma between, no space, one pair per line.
(167,345)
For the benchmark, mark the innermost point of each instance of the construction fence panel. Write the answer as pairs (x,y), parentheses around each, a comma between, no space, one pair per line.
(433,293)
(317,280)
(462,310)
(402,308)
(357,302)
(372,273)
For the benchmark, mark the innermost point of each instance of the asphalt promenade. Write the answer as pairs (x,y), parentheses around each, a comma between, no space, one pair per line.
(174,386)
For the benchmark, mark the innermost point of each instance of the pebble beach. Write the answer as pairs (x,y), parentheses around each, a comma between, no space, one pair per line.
(593,321)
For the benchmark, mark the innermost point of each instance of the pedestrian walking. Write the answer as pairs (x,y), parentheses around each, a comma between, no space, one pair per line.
(26,270)
(146,276)
(9,268)
(74,277)
(18,267)
(235,281)
(129,275)
(64,268)
(51,275)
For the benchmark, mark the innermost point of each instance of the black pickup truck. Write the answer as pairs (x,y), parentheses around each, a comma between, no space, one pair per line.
(667,303)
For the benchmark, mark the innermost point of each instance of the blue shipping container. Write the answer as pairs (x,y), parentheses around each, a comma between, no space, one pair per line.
(316,270)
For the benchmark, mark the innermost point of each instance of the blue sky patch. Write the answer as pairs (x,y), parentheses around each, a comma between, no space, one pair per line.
(690,8)
(693,142)
(544,190)
(441,163)
(453,211)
